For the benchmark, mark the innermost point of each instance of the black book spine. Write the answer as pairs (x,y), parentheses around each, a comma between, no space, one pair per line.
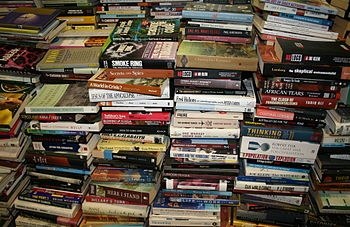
(134,158)
(29,198)
(74,162)
(287,122)
(137,64)
(207,74)
(210,91)
(216,32)
(312,94)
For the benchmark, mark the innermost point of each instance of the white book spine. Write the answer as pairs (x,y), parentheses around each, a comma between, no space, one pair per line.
(179,132)
(205,123)
(257,186)
(209,107)
(290,10)
(209,115)
(337,128)
(66,126)
(151,103)
(62,109)
(294,200)
(283,20)
(278,147)
(261,172)
(115,209)
(226,100)
(223,26)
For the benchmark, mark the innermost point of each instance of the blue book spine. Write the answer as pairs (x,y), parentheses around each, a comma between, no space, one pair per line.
(206,201)
(274,180)
(113,16)
(278,168)
(233,17)
(295,133)
(56,197)
(307,19)
(66,170)
(57,132)
(202,192)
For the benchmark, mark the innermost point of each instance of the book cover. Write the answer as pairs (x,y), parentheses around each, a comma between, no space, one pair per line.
(139,30)
(314,53)
(142,55)
(235,13)
(216,55)
(29,18)
(150,86)
(70,58)
(19,58)
(62,98)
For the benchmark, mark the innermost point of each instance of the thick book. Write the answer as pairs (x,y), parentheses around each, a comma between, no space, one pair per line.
(141,55)
(232,13)
(70,58)
(19,59)
(314,53)
(29,18)
(139,30)
(148,86)
(62,98)
(216,55)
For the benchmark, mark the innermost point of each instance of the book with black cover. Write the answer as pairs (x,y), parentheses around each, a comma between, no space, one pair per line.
(312,52)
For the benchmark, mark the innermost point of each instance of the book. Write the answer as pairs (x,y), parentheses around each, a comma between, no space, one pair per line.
(139,30)
(19,58)
(141,55)
(309,52)
(149,86)
(341,114)
(70,58)
(62,98)
(29,18)
(216,55)
(232,13)
(119,145)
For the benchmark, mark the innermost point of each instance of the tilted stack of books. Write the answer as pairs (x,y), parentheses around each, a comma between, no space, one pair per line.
(292,19)
(61,124)
(32,27)
(162,9)
(8,6)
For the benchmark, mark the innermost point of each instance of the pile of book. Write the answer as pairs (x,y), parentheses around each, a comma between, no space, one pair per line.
(167,9)
(282,144)
(330,173)
(8,6)
(30,26)
(218,22)
(305,20)
(61,125)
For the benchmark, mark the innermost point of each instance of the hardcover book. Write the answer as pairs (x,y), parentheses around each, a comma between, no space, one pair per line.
(314,53)
(29,18)
(216,55)
(19,58)
(142,55)
(62,98)
(139,30)
(70,58)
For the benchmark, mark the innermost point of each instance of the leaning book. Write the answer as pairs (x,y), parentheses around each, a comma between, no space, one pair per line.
(62,98)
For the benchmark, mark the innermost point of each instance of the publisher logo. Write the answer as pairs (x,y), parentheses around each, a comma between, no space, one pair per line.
(255,146)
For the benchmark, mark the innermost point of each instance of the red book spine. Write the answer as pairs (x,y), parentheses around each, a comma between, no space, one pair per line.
(121,194)
(153,116)
(134,122)
(230,39)
(279,100)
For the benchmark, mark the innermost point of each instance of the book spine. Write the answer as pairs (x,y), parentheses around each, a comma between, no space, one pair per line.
(209,91)
(260,172)
(307,19)
(57,146)
(164,130)
(239,27)
(143,103)
(213,146)
(207,74)
(224,100)
(312,113)
(99,199)
(215,123)
(67,170)
(294,133)
(134,122)
(336,128)
(287,122)
(255,186)
(60,139)
(229,39)
(215,32)
(217,157)
(270,84)
(210,107)
(47,117)
(120,194)
(332,139)
(144,138)
(125,87)
(301,149)
(46,202)
(298,93)
(113,210)
(178,132)
(292,10)
(152,116)
(288,21)
(95,127)
(210,114)
(233,17)
(220,185)
(285,115)
(206,201)
(209,83)
(139,64)
(50,160)
(200,176)
(305,6)
(109,155)
(272,180)
(298,101)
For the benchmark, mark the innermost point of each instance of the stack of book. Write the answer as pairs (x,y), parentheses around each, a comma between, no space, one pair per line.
(304,20)
(289,95)
(30,26)
(13,145)
(330,174)
(69,64)
(218,22)
(61,123)
(110,11)
(342,20)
